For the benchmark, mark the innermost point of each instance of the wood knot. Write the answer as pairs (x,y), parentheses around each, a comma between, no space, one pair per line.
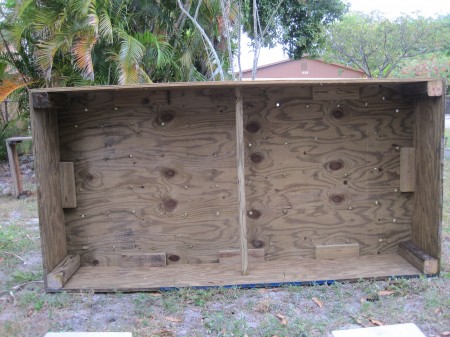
(337,198)
(253,214)
(256,157)
(174,258)
(95,262)
(257,243)
(167,116)
(169,173)
(337,113)
(335,165)
(169,204)
(253,127)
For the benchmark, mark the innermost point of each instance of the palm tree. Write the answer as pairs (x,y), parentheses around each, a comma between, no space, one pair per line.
(77,42)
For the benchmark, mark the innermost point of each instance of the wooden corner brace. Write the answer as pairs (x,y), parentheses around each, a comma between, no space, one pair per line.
(418,258)
(63,272)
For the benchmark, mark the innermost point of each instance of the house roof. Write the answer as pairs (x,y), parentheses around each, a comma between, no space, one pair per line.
(305,58)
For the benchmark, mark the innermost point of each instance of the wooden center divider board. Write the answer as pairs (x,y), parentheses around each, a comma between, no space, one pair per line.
(157,180)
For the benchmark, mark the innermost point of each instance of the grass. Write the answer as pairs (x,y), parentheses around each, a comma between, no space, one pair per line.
(447,138)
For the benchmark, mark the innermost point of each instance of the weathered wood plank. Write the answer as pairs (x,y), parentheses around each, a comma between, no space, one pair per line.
(336,252)
(418,258)
(232,84)
(428,140)
(68,192)
(14,167)
(407,169)
(63,272)
(13,160)
(240,154)
(233,256)
(143,260)
(270,272)
(335,92)
(16,140)
(47,158)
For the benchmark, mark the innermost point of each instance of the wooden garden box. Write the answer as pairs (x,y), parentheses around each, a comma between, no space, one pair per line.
(238,183)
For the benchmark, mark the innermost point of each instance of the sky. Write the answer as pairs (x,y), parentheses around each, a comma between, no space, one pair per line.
(389,8)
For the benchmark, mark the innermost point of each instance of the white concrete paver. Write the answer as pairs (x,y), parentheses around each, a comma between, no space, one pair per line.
(398,330)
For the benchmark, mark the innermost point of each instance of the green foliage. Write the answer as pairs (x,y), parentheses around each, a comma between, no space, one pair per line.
(436,65)
(14,128)
(297,25)
(378,46)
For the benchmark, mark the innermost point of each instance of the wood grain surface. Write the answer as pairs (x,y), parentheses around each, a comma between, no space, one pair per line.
(51,217)
(68,192)
(155,172)
(326,172)
(207,274)
(428,140)
(407,169)
(336,252)
(418,258)
(156,182)
(63,272)
(240,159)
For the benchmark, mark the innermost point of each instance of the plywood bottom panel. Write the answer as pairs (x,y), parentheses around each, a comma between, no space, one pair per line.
(105,279)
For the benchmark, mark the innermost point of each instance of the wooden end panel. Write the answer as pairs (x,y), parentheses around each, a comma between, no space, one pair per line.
(233,256)
(63,272)
(337,252)
(68,190)
(435,88)
(407,169)
(335,92)
(418,258)
(427,201)
(47,158)
(143,260)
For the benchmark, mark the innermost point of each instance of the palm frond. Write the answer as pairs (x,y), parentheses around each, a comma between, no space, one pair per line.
(81,8)
(105,26)
(82,52)
(46,51)
(129,57)
(8,86)
(157,46)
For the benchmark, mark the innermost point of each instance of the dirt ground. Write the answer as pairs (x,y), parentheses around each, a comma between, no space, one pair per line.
(26,310)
